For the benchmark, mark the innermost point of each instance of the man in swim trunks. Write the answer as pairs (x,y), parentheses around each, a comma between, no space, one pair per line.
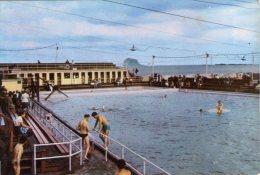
(219,107)
(103,128)
(84,129)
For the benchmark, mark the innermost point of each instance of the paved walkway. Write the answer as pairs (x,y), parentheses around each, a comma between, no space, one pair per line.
(96,165)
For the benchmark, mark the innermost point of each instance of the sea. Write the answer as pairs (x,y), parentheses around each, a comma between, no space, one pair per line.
(195,69)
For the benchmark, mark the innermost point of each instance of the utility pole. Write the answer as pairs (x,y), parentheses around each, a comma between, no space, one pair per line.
(211,64)
(253,62)
(153,65)
(57,48)
(37,79)
(207,55)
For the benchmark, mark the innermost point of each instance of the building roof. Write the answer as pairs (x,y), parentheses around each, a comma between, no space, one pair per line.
(56,66)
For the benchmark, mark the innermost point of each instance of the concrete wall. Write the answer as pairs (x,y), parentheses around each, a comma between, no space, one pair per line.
(12,84)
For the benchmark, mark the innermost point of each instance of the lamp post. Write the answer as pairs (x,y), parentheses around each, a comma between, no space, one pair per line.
(133,48)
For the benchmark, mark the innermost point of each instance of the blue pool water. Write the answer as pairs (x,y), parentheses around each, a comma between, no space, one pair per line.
(171,132)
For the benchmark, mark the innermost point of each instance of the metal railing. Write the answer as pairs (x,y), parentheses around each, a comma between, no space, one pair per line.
(145,167)
(137,163)
(68,138)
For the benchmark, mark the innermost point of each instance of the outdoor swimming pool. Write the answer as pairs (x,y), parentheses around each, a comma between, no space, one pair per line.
(170,131)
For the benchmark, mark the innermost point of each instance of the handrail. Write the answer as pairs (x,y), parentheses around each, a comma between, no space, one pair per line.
(145,161)
(64,136)
(125,147)
(71,140)
(70,154)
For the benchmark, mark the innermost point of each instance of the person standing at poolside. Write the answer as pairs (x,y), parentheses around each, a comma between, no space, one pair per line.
(125,83)
(219,107)
(25,100)
(18,152)
(84,129)
(103,127)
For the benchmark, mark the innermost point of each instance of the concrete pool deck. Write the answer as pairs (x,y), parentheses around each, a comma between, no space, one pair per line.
(137,89)
(96,165)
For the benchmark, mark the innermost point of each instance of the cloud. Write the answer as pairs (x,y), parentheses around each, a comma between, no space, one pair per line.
(31,27)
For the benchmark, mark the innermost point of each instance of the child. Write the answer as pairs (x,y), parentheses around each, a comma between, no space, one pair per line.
(22,127)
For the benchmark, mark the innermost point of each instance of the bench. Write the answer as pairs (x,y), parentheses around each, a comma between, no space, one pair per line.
(61,148)
(37,132)
(40,138)
(44,135)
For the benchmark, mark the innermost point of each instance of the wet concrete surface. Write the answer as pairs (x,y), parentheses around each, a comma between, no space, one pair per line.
(96,165)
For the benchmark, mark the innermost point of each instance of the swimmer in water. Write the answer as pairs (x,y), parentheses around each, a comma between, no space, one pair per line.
(94,108)
(202,111)
(103,109)
(219,107)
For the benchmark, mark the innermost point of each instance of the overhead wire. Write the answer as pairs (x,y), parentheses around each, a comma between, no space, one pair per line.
(182,16)
(77,47)
(99,52)
(116,53)
(102,38)
(214,54)
(128,25)
(223,4)
(245,1)
(29,49)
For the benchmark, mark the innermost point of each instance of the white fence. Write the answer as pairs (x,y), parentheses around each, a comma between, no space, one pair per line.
(67,137)
(139,164)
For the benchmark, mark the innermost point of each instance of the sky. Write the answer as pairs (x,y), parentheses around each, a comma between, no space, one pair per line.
(175,32)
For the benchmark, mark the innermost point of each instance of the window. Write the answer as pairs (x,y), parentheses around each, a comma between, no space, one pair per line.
(96,75)
(44,75)
(66,75)
(75,75)
(51,76)
(119,74)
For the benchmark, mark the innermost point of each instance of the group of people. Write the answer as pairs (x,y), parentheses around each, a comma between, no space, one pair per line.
(13,111)
(103,130)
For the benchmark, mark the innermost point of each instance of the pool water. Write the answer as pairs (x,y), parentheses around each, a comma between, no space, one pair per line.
(166,127)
